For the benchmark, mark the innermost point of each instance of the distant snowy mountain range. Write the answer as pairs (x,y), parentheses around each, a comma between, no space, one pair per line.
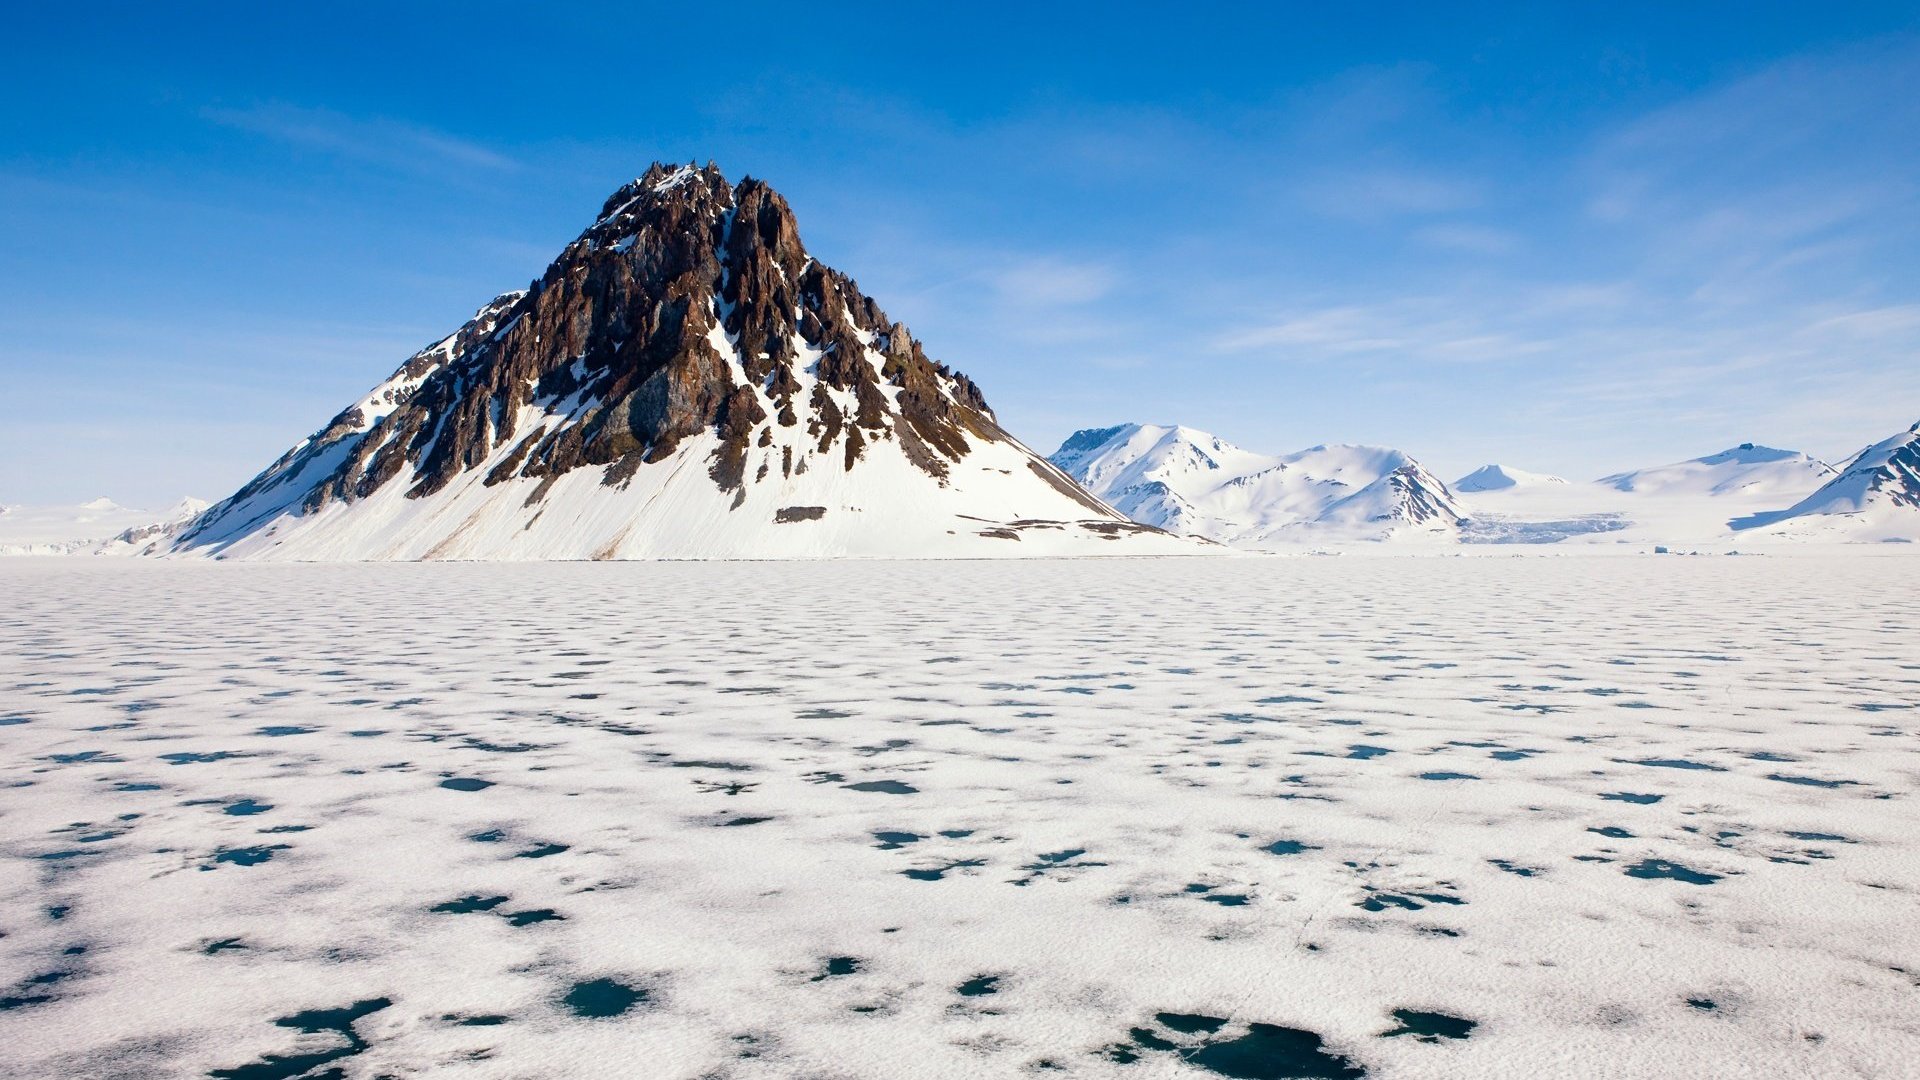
(1189,481)
(92,528)
(686,381)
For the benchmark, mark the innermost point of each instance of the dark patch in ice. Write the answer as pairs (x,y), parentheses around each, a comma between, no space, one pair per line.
(232,944)
(979,986)
(82,757)
(1365,752)
(1831,838)
(1447,776)
(246,856)
(484,746)
(1672,763)
(465,783)
(1412,901)
(1652,869)
(1287,847)
(1271,1052)
(1264,1052)
(491,836)
(1513,755)
(1703,1004)
(836,967)
(479,1020)
(885,787)
(1631,797)
(246,808)
(1191,1023)
(468,904)
(727,766)
(1429,1027)
(536,915)
(188,758)
(937,873)
(1613,831)
(1515,868)
(739,821)
(893,841)
(1055,860)
(281,730)
(313,1022)
(1810,781)
(541,852)
(601,998)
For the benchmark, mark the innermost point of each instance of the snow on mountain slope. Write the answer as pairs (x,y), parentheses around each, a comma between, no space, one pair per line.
(1876,496)
(1500,478)
(96,527)
(684,381)
(1684,504)
(1188,481)
(1745,470)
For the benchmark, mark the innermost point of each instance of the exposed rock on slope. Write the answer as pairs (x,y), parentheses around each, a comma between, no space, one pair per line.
(683,381)
(1875,496)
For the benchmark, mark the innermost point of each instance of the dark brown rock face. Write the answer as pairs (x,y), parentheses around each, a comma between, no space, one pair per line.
(624,343)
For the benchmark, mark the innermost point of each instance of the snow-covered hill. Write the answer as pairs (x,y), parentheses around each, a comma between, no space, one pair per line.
(1500,478)
(1685,504)
(684,381)
(1875,496)
(97,527)
(1191,482)
(1746,470)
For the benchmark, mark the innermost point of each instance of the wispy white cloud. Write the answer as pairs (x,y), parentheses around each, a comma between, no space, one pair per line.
(374,140)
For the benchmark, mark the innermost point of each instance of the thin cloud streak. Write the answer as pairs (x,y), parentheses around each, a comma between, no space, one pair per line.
(376,140)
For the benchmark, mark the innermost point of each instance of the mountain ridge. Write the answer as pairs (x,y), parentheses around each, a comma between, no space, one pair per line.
(1191,481)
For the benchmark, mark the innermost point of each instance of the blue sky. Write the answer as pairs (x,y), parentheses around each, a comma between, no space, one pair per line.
(1569,242)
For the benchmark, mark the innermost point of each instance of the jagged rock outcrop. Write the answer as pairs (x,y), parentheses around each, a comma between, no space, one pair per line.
(687,326)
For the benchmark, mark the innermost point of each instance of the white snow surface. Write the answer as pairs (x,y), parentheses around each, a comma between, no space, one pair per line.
(1189,481)
(93,527)
(1501,477)
(1614,817)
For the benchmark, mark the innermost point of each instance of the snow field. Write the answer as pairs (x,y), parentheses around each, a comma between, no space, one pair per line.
(1601,817)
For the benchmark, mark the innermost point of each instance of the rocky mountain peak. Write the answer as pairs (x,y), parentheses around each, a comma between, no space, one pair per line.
(687,319)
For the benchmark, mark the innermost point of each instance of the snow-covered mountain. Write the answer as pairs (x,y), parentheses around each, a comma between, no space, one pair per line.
(1188,481)
(97,527)
(1702,501)
(684,381)
(1500,478)
(1875,496)
(1745,470)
